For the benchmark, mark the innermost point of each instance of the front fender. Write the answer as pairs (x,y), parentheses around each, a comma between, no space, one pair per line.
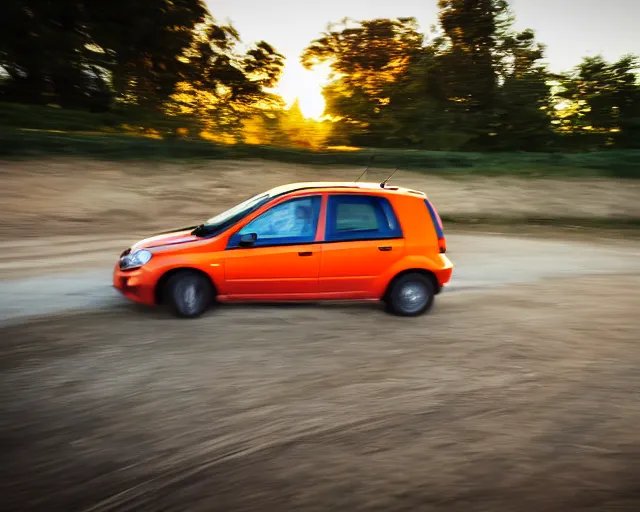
(209,264)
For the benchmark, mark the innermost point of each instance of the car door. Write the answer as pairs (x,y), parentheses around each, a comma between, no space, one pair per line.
(284,261)
(362,240)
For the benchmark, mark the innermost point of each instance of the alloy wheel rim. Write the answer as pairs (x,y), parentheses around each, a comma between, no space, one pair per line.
(413,297)
(191,297)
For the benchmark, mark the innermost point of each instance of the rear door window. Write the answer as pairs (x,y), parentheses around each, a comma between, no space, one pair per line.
(360,217)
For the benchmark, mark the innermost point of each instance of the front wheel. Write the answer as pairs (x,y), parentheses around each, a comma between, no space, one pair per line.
(411,295)
(189,294)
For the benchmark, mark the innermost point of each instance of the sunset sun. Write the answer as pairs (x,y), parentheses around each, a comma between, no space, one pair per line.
(305,86)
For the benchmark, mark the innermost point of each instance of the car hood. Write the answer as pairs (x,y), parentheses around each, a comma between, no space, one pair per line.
(182,236)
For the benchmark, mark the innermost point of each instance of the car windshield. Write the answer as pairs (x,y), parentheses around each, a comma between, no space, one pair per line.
(229,217)
(237,211)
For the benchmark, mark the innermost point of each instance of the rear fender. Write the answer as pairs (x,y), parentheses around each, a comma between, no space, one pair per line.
(439,265)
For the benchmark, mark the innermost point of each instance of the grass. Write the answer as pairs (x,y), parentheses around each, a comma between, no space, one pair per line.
(29,131)
(33,143)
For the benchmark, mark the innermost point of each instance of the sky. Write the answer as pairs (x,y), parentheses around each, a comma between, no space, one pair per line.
(571,29)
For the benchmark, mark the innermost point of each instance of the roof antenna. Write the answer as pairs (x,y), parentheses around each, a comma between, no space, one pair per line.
(367,168)
(382,185)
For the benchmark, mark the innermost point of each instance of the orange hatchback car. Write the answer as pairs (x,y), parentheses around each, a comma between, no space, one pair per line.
(303,241)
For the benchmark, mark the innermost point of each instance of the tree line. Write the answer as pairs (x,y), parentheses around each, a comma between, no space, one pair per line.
(475,83)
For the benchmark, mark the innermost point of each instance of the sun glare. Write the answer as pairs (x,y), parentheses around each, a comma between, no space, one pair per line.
(306,86)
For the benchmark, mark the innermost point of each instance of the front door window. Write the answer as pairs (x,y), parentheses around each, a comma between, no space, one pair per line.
(291,222)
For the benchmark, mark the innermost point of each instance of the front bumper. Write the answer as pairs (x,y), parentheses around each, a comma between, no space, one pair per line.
(134,285)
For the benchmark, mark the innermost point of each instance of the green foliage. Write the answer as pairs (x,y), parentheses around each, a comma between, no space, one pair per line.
(367,59)
(120,120)
(471,31)
(603,101)
(225,87)
(523,100)
(166,68)
(478,85)
(85,54)
(622,164)
(151,57)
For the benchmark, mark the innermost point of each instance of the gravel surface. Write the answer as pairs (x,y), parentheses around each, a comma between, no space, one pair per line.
(521,398)
(480,262)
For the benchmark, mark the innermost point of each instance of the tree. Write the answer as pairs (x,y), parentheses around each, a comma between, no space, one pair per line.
(223,87)
(67,51)
(367,59)
(42,50)
(468,47)
(151,57)
(606,100)
(523,102)
(142,43)
(478,85)
(492,77)
(415,115)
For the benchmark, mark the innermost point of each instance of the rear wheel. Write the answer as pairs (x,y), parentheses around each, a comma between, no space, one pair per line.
(188,294)
(410,295)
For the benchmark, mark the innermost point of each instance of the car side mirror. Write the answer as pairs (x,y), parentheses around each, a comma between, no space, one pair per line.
(248,239)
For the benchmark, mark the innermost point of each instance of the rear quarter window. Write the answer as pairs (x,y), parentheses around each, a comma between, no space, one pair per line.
(435,218)
(437,224)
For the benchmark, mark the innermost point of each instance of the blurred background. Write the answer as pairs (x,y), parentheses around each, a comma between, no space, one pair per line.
(445,76)
(520,120)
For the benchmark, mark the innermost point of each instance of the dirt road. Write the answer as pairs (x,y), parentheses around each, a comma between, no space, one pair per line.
(97,199)
(518,392)
(481,262)
(520,398)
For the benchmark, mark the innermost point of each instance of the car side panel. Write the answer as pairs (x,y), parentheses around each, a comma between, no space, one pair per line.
(417,226)
(277,270)
(349,268)
(421,248)
(352,267)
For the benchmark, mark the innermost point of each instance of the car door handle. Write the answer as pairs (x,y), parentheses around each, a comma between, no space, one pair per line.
(306,253)
(385,248)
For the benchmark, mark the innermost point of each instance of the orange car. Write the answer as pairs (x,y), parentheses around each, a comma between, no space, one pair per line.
(303,241)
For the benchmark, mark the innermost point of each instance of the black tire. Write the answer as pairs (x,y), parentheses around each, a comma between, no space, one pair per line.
(410,295)
(188,294)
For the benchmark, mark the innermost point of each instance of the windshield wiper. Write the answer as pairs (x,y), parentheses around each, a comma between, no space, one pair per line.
(202,230)
(214,229)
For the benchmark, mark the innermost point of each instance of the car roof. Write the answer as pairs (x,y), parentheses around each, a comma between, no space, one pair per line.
(358,187)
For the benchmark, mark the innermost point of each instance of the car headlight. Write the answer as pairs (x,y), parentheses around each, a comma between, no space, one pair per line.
(135,260)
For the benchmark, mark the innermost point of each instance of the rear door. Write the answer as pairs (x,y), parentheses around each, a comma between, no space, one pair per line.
(362,240)
(284,262)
